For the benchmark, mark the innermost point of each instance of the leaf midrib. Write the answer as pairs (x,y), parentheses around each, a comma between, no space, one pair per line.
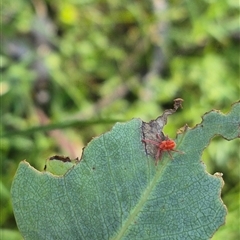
(143,200)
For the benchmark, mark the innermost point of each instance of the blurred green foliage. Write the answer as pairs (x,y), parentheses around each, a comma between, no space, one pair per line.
(96,62)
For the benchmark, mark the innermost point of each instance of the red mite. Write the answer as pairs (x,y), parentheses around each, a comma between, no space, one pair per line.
(166,145)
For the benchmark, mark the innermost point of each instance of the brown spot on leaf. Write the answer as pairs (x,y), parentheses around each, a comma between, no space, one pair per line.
(183,129)
(60,158)
(155,127)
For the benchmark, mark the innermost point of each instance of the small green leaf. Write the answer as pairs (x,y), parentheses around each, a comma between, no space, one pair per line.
(117,192)
(57,167)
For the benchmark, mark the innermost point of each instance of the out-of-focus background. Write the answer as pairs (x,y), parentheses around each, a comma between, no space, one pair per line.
(75,67)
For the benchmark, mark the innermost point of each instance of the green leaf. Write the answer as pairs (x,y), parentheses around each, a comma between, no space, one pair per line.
(117,191)
(9,234)
(59,165)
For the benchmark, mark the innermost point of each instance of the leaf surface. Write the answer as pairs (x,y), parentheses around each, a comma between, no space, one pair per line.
(117,192)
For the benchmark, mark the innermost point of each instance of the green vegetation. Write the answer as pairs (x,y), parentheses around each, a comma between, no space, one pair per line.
(87,64)
(117,192)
